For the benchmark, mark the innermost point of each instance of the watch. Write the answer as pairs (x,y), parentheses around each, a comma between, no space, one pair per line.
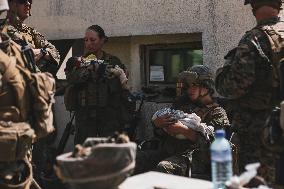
(43,52)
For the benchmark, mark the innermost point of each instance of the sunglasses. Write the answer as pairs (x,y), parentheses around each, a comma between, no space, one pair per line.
(24,1)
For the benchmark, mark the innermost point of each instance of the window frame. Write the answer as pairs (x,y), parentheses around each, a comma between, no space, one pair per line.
(197,45)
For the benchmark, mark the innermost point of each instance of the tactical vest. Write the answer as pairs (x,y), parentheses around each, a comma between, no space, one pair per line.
(98,91)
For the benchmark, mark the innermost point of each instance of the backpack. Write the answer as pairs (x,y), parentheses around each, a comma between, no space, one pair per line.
(33,93)
(275,35)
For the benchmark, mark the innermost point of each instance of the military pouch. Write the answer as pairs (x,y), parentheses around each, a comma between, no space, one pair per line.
(42,89)
(91,94)
(15,140)
(9,113)
(71,98)
(102,94)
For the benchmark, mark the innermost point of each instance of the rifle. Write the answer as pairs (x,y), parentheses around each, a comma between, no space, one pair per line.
(69,129)
(131,131)
(28,55)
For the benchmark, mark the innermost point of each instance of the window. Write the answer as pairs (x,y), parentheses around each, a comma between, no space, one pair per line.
(165,62)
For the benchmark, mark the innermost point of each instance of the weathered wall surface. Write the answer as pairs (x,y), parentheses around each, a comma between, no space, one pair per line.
(62,19)
(221,22)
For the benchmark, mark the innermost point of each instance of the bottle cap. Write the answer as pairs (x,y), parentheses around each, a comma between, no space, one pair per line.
(220,134)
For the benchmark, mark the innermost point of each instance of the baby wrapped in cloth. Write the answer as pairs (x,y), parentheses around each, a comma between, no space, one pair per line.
(192,121)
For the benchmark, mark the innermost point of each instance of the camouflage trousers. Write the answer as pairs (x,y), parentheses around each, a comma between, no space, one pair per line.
(175,165)
(162,162)
(249,127)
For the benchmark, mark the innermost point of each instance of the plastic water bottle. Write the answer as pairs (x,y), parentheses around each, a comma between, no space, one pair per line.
(221,160)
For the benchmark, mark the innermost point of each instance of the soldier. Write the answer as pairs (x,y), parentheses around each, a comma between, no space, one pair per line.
(174,154)
(249,79)
(25,110)
(97,93)
(46,55)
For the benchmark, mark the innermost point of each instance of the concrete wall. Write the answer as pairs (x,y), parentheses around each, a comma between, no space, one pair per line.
(132,57)
(221,22)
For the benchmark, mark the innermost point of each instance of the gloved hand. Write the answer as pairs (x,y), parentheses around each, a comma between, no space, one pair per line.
(118,72)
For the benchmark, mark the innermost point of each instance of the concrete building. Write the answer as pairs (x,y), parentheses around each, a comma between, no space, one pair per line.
(216,24)
(146,34)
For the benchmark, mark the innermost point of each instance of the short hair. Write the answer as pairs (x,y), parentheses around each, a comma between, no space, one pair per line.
(99,30)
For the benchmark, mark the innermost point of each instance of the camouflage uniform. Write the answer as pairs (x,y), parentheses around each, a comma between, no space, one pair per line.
(19,32)
(246,79)
(180,157)
(99,112)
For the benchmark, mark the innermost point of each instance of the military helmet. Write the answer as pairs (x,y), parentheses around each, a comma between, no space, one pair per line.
(199,74)
(4,5)
(279,2)
(111,164)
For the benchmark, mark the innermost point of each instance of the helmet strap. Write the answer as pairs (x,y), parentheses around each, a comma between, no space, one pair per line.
(200,96)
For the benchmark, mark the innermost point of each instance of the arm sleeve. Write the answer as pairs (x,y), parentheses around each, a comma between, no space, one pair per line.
(235,78)
(216,118)
(42,42)
(116,61)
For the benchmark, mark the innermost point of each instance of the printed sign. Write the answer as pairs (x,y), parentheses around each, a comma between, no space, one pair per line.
(157,73)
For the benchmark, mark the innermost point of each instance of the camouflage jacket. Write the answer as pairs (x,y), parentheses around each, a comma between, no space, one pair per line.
(246,76)
(20,31)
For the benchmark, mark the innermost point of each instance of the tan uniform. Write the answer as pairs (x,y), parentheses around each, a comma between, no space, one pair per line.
(36,40)
(14,105)
(25,102)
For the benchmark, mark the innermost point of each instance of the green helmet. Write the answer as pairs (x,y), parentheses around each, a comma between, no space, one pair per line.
(269,2)
(200,75)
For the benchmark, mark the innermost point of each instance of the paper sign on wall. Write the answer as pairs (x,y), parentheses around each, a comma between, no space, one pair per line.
(157,73)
